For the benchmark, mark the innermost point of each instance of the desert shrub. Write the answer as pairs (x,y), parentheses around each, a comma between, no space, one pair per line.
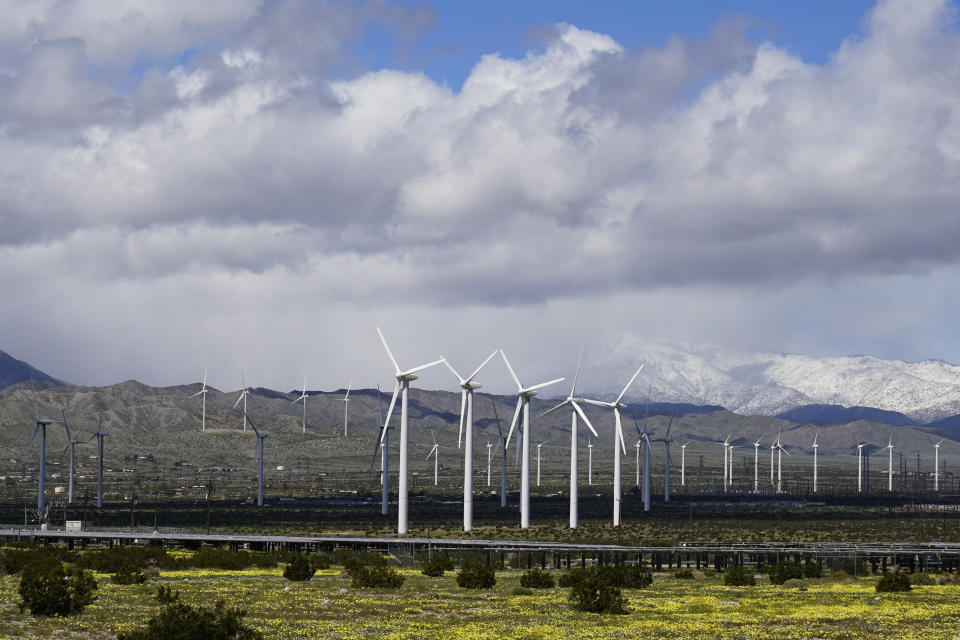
(785,570)
(299,569)
(893,581)
(812,570)
(476,575)
(521,591)
(48,590)
(537,579)
(855,566)
(921,579)
(796,583)
(129,574)
(320,561)
(14,560)
(946,578)
(112,559)
(739,577)
(436,566)
(351,560)
(633,576)
(593,590)
(179,620)
(214,558)
(684,574)
(166,595)
(376,577)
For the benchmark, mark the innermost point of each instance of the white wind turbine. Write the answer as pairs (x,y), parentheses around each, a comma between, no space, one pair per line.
(489,457)
(71,445)
(773,448)
(575,412)
(243,396)
(589,461)
(890,463)
(683,464)
(666,440)
(203,411)
(756,465)
(523,407)
(538,459)
(638,446)
(436,458)
(619,447)
(467,386)
(303,398)
(402,388)
(936,466)
(815,448)
(726,454)
(383,438)
(780,452)
(730,466)
(41,427)
(860,446)
(346,407)
(645,439)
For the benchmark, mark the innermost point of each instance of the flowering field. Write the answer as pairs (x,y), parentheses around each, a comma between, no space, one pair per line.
(436,608)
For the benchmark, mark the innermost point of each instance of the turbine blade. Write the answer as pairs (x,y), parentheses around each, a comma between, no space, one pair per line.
(393,402)
(624,392)
(554,408)
(32,438)
(424,366)
(389,353)
(509,368)
(573,389)
(616,415)
(482,365)
(463,415)
(238,400)
(513,423)
(204,378)
(598,403)
(669,424)
(453,371)
(496,417)
(544,384)
(585,418)
(67,426)
(36,403)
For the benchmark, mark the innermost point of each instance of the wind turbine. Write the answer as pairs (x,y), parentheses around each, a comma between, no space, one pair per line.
(619,447)
(589,461)
(261,436)
(726,453)
(575,411)
(383,439)
(538,459)
(936,465)
(41,427)
(203,392)
(523,407)
(645,439)
(730,466)
(502,446)
(436,458)
(773,448)
(756,465)
(99,435)
(683,464)
(243,396)
(780,452)
(815,447)
(71,445)
(489,456)
(402,388)
(860,446)
(666,440)
(890,463)
(303,398)
(346,406)
(466,418)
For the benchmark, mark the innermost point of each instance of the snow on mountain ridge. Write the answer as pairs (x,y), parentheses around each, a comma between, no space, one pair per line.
(769,383)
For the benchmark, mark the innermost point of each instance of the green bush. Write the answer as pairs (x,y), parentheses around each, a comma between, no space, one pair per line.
(178,620)
(785,570)
(796,583)
(683,574)
(592,589)
(320,561)
(739,577)
(129,574)
(112,559)
(921,579)
(537,579)
(299,569)
(436,566)
(377,577)
(477,575)
(166,595)
(521,591)
(893,581)
(48,590)
(13,560)
(624,576)
(351,560)
(812,570)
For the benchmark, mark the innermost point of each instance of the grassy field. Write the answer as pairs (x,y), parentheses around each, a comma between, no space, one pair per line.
(436,608)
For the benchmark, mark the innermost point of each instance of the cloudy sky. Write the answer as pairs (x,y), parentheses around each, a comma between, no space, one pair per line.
(257,185)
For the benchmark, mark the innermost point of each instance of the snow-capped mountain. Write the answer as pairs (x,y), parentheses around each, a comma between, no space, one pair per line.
(770,383)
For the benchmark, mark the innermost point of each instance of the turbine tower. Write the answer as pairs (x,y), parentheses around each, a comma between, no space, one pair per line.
(538,459)
(523,407)
(71,445)
(936,465)
(619,447)
(666,440)
(41,427)
(261,436)
(860,446)
(303,398)
(243,396)
(730,466)
(815,447)
(773,448)
(890,463)
(203,411)
(467,386)
(346,407)
(756,465)
(589,461)
(575,411)
(436,458)
(99,435)
(645,489)
(402,388)
(384,438)
(489,457)
(726,454)
(780,452)
(683,464)
(502,447)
